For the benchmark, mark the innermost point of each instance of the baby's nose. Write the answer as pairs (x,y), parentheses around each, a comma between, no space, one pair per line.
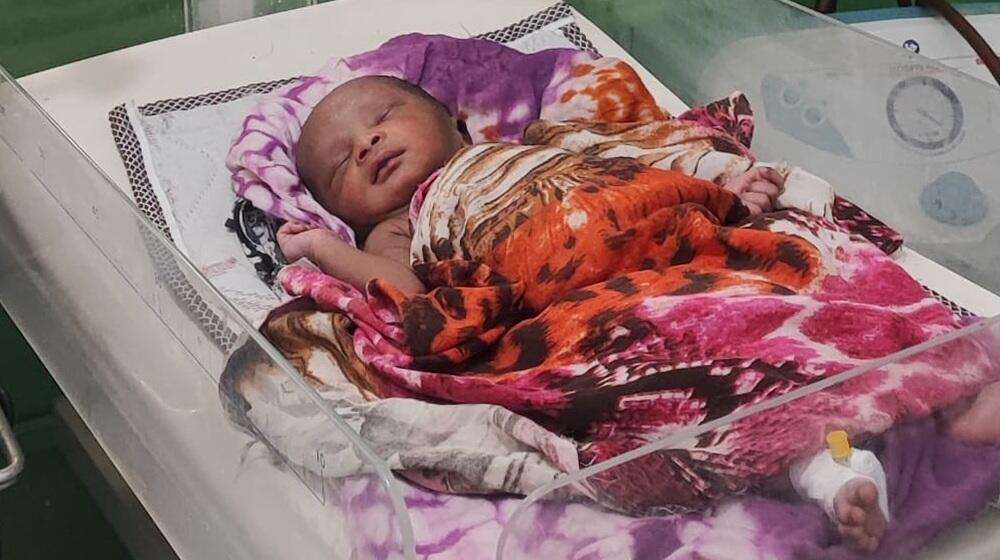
(367,144)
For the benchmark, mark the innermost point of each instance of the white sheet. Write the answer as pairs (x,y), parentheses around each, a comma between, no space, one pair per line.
(185,152)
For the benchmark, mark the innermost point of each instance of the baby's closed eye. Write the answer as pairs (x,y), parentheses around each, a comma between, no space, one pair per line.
(385,114)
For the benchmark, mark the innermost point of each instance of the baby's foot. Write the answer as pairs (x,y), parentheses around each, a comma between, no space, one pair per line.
(859,517)
(980,423)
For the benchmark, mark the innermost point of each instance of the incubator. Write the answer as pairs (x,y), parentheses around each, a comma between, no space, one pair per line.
(138,336)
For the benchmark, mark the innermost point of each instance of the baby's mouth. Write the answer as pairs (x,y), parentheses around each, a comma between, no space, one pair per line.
(386,165)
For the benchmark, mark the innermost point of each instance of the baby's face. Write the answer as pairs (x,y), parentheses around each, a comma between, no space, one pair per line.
(369,144)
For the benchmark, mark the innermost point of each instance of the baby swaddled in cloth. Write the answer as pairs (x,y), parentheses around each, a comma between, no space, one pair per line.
(612,235)
(371,142)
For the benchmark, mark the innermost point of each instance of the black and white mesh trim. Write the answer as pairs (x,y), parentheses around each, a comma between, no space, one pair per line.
(577,37)
(211,322)
(955,308)
(533,23)
(170,274)
(213,98)
(167,270)
(135,168)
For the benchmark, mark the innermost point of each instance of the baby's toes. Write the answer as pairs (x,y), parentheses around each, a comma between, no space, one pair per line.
(867,495)
(850,515)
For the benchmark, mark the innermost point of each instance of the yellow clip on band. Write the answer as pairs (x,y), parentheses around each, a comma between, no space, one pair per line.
(839,444)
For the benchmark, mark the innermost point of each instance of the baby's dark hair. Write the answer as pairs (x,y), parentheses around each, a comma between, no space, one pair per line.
(420,92)
(412,89)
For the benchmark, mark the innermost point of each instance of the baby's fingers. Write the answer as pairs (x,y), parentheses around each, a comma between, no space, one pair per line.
(761,201)
(292,228)
(769,175)
(764,187)
(753,208)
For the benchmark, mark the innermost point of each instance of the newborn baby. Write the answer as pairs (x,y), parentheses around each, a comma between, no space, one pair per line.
(370,144)
(364,151)
(362,154)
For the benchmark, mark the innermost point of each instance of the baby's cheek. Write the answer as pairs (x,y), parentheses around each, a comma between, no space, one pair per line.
(387,198)
(405,192)
(356,204)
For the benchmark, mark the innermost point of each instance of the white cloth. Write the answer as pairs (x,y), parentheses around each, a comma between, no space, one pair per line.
(820,477)
(183,152)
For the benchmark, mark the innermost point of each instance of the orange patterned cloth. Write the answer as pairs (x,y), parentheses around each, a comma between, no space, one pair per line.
(559,221)
(615,303)
(609,300)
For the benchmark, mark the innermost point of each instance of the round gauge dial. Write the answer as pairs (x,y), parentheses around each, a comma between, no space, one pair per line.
(925,113)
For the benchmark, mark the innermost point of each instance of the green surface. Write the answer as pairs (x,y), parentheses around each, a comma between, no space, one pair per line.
(679,58)
(22,375)
(40,34)
(48,513)
(843,5)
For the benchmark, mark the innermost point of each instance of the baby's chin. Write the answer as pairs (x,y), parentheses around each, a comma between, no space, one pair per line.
(399,201)
(388,199)
(406,183)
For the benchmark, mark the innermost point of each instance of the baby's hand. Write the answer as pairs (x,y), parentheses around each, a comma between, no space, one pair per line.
(758,188)
(299,240)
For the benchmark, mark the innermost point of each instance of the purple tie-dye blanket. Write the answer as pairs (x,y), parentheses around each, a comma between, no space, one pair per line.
(934,483)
